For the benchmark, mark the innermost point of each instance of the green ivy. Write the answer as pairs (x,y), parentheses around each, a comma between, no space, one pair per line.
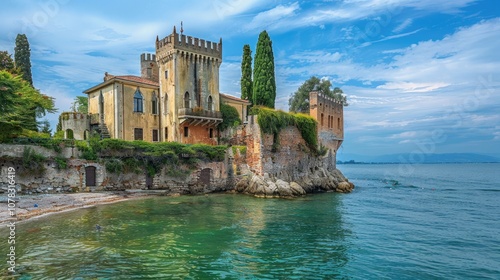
(273,121)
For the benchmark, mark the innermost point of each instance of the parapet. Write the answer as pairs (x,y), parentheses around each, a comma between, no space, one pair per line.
(148,57)
(191,44)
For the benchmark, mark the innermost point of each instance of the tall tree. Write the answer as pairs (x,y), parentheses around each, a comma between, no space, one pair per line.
(81,104)
(19,102)
(246,73)
(264,83)
(299,101)
(22,54)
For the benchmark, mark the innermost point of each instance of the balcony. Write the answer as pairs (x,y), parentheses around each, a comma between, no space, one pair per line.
(198,116)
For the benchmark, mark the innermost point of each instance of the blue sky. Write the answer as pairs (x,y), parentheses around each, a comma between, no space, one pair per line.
(421,76)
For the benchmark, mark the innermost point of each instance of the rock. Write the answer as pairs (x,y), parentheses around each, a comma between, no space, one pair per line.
(242,185)
(271,189)
(297,189)
(344,187)
(284,188)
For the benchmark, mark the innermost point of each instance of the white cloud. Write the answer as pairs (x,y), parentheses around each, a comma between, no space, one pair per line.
(272,16)
(407,22)
(413,87)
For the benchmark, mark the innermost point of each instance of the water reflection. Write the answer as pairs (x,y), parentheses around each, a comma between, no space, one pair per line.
(202,237)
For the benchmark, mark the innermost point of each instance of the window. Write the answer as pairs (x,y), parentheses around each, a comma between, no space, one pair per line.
(211,133)
(329,121)
(210,105)
(338,123)
(138,101)
(186,131)
(138,134)
(154,104)
(155,135)
(166,74)
(322,119)
(166,133)
(186,100)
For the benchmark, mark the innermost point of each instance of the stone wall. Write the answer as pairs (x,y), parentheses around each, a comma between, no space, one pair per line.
(290,169)
(206,177)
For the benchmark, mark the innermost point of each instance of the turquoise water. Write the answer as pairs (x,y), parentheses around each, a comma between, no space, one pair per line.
(428,222)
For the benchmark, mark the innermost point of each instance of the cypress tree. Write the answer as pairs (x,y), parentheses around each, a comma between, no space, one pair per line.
(246,73)
(22,57)
(264,83)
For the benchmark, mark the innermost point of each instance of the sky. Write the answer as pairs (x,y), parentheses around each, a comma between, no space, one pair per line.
(420,76)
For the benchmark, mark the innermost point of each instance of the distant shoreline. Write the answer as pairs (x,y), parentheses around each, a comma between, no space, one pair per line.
(356,162)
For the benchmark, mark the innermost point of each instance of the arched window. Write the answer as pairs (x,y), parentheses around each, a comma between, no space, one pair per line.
(210,104)
(154,104)
(186,100)
(69,134)
(138,101)
(322,119)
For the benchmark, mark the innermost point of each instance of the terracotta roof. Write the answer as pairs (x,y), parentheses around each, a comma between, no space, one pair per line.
(138,80)
(125,78)
(234,98)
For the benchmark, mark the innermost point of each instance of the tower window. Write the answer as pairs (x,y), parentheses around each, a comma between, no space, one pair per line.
(210,105)
(322,122)
(186,100)
(154,104)
(138,101)
(166,74)
(186,131)
(211,133)
(166,133)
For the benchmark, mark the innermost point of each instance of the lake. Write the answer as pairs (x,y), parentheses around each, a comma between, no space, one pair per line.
(430,221)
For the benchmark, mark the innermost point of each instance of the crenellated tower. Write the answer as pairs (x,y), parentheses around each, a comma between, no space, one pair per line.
(149,67)
(189,87)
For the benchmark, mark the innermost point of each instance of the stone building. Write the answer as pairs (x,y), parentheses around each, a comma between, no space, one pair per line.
(176,98)
(329,113)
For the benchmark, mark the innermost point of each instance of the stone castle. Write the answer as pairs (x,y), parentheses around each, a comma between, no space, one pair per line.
(177,99)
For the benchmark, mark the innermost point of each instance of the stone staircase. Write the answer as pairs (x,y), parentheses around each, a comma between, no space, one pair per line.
(104,131)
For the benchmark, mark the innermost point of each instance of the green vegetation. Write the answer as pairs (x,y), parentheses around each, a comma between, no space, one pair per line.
(299,101)
(61,162)
(32,162)
(242,149)
(273,121)
(264,83)
(230,117)
(7,63)
(19,102)
(246,73)
(22,54)
(130,156)
(81,104)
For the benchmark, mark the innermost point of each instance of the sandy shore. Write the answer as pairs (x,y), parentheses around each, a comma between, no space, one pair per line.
(32,206)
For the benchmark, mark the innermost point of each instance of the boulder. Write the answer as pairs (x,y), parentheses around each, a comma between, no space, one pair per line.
(297,189)
(344,187)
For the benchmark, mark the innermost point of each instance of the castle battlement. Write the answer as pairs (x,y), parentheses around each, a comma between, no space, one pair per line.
(188,44)
(148,57)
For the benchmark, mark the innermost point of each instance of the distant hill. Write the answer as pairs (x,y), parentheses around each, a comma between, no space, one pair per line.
(418,158)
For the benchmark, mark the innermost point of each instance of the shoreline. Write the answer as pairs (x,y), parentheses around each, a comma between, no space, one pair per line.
(31,207)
